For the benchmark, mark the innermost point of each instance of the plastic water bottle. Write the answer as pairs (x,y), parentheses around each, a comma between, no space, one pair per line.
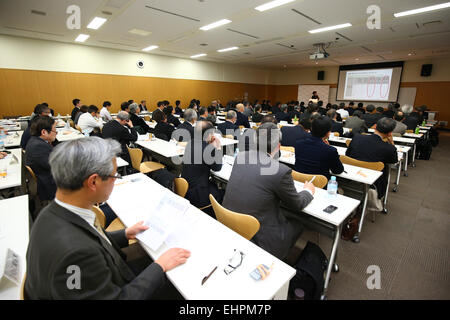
(417,130)
(332,188)
(67,126)
(2,140)
(424,123)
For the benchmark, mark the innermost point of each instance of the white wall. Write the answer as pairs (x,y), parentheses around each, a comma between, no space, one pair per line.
(34,54)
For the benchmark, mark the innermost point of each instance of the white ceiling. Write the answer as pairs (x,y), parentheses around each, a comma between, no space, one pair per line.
(264,38)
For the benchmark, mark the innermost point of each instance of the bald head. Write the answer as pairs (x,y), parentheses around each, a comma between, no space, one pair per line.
(240,107)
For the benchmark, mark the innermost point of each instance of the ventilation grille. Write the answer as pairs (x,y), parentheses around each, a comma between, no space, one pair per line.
(305,16)
(27,30)
(243,33)
(268,40)
(342,36)
(118,44)
(173,13)
(41,13)
(366,49)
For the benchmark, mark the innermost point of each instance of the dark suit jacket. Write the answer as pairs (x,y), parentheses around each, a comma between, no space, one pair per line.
(59,239)
(163,130)
(388,113)
(275,109)
(228,127)
(371,118)
(37,154)
(123,134)
(25,137)
(281,116)
(371,148)
(140,123)
(313,156)
(197,175)
(142,107)
(155,112)
(182,128)
(253,190)
(337,127)
(242,120)
(356,124)
(173,120)
(291,134)
(257,117)
(74,112)
(411,122)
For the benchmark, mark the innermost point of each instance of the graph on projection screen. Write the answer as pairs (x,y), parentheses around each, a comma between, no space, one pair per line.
(376,82)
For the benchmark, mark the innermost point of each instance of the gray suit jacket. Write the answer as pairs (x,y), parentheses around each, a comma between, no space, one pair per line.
(356,124)
(400,127)
(60,239)
(252,192)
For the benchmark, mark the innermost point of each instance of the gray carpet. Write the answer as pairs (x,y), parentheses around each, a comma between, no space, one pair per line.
(410,244)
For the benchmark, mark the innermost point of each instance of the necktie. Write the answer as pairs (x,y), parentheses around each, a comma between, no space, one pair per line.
(99,229)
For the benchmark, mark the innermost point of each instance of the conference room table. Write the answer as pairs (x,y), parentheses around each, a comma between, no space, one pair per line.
(122,164)
(9,125)
(14,235)
(330,224)
(67,134)
(12,183)
(211,244)
(13,139)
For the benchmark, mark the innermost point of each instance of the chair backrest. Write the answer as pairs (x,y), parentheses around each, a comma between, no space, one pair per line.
(136,157)
(31,172)
(241,127)
(319,182)
(22,287)
(409,131)
(182,143)
(71,123)
(290,149)
(147,118)
(78,128)
(100,215)
(229,136)
(347,142)
(378,166)
(336,134)
(31,182)
(244,224)
(181,186)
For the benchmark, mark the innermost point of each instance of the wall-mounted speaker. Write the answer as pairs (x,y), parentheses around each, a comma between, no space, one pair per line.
(321,75)
(426,70)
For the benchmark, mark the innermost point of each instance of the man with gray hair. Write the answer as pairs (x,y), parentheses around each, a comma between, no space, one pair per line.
(67,240)
(229,127)
(185,131)
(138,123)
(264,188)
(121,130)
(242,119)
(410,121)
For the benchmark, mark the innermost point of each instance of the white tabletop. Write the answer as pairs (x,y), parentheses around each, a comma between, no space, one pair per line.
(412,135)
(10,125)
(14,171)
(165,148)
(13,139)
(14,234)
(121,162)
(404,140)
(211,244)
(346,205)
(425,127)
(68,134)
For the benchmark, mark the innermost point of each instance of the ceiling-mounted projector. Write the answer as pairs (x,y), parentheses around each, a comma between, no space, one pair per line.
(321,52)
(319,55)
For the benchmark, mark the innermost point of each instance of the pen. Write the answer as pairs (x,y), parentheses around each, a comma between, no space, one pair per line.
(312,179)
(209,275)
(345,171)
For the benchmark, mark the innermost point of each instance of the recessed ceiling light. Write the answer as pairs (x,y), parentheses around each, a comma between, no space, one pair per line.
(199,55)
(215,24)
(150,48)
(339,26)
(82,38)
(422,10)
(96,23)
(357,59)
(272,4)
(140,32)
(228,49)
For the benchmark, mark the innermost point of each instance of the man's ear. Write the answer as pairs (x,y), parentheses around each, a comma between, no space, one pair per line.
(90,182)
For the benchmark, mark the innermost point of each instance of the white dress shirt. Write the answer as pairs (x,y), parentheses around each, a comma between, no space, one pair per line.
(87,123)
(85,214)
(344,113)
(106,116)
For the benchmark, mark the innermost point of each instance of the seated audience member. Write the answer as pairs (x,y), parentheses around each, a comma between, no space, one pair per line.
(420,113)
(292,134)
(178,110)
(283,114)
(411,120)
(76,107)
(229,127)
(248,110)
(185,131)
(198,160)
(390,112)
(104,112)
(257,116)
(372,148)
(89,121)
(212,115)
(122,131)
(355,123)
(309,111)
(302,107)
(343,113)
(335,126)
(202,113)
(163,130)
(171,119)
(83,109)
(371,116)
(68,234)
(313,155)
(257,176)
(143,105)
(351,108)
(400,127)
(40,111)
(158,110)
(276,108)
(361,108)
(241,119)
(335,107)
(138,123)
(125,106)
(43,133)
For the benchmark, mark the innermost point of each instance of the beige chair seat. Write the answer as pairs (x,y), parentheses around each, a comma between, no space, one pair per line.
(150,166)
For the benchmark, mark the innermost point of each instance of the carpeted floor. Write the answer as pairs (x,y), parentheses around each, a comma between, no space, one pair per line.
(410,244)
